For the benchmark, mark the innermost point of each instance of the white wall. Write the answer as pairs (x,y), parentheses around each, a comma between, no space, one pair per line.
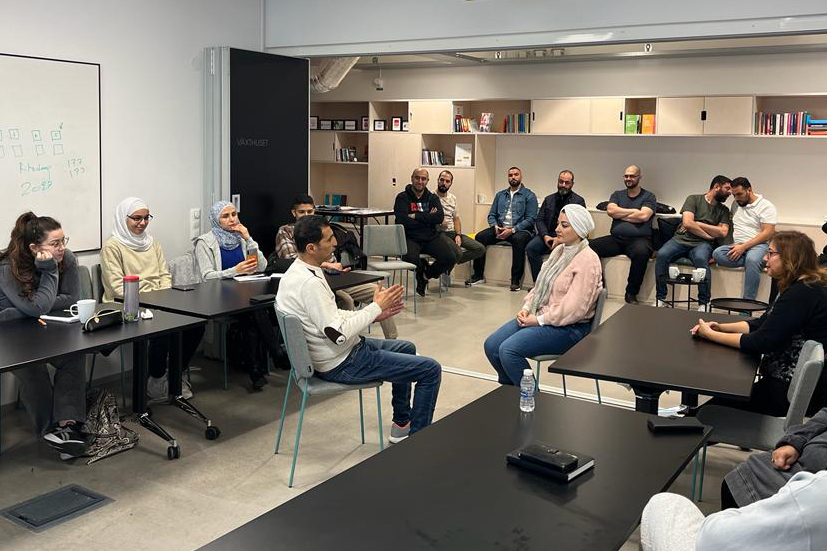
(151,88)
(319,27)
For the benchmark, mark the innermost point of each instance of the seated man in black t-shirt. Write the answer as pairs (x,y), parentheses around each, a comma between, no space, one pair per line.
(631,210)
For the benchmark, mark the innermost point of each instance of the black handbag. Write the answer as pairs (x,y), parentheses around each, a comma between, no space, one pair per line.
(102,319)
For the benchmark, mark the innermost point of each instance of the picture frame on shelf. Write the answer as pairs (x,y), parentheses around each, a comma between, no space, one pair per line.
(379,125)
(396,124)
(404,125)
(338,124)
(314,122)
(325,124)
(350,124)
(365,124)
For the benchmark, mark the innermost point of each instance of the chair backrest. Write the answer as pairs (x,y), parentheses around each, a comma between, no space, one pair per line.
(86,289)
(184,269)
(598,308)
(293,334)
(385,240)
(97,283)
(807,372)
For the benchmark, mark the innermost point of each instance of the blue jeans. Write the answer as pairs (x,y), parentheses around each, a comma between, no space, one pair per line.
(394,361)
(535,251)
(752,261)
(509,346)
(698,254)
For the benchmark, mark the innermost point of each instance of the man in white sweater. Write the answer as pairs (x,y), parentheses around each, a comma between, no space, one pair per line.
(304,292)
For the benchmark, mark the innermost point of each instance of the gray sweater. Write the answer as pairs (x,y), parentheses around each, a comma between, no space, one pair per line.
(53,290)
(208,255)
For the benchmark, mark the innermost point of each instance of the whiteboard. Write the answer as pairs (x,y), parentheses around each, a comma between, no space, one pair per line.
(50,146)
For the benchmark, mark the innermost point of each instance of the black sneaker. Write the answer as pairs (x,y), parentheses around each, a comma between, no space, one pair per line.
(67,440)
(515,286)
(474,279)
(259,380)
(630,298)
(421,283)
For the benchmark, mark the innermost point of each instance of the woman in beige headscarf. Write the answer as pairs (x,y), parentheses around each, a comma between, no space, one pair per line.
(557,312)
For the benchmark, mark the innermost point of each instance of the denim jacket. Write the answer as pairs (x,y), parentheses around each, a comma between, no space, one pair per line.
(523,211)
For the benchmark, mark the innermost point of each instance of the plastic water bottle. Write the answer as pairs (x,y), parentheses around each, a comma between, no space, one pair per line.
(130,298)
(527,391)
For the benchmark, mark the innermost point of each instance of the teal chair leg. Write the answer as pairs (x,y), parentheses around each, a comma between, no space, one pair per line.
(224,351)
(283,410)
(123,379)
(538,374)
(361,416)
(701,483)
(379,415)
(298,437)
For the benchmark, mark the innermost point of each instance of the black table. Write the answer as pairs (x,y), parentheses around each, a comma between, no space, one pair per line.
(227,297)
(741,305)
(358,214)
(449,488)
(25,342)
(689,283)
(651,349)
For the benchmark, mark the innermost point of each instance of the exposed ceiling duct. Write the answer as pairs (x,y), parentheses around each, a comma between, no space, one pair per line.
(328,74)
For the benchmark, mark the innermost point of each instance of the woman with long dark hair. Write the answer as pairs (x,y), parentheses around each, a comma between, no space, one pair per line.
(799,314)
(39,274)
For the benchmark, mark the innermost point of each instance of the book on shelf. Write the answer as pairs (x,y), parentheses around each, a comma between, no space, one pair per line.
(796,123)
(485,122)
(647,125)
(462,154)
(335,199)
(632,124)
(516,123)
(431,157)
(465,124)
(346,155)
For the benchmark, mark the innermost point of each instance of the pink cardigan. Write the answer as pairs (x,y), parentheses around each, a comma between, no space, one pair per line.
(574,293)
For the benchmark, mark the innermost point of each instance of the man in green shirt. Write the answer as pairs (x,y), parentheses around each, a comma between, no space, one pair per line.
(705,218)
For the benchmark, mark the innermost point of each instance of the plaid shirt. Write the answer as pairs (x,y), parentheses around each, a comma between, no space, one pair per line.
(286,244)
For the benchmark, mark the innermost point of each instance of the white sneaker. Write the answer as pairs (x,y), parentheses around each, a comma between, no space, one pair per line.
(703,308)
(661,303)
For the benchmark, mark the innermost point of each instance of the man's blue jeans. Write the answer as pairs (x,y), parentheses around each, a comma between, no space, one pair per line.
(752,261)
(509,346)
(394,361)
(698,254)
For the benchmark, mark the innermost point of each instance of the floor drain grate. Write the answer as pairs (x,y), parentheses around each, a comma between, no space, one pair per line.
(43,512)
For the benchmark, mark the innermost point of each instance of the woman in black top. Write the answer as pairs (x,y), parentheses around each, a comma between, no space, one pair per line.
(39,274)
(798,314)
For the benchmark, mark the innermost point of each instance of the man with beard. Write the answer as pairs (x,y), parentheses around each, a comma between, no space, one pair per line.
(705,218)
(420,213)
(754,219)
(465,248)
(511,219)
(546,238)
(631,210)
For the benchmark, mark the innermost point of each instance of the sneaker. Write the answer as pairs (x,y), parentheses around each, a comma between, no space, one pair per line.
(398,433)
(259,380)
(703,308)
(515,286)
(661,304)
(186,389)
(421,283)
(474,279)
(630,298)
(67,440)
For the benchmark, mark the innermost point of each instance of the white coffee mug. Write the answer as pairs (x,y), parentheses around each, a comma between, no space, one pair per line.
(673,272)
(698,274)
(83,309)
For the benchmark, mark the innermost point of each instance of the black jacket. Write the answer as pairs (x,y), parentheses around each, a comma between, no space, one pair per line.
(423,227)
(550,210)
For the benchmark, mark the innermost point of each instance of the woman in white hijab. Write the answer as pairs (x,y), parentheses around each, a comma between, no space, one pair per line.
(132,251)
(557,312)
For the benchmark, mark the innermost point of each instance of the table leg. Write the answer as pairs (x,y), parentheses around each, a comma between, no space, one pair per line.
(646,399)
(176,370)
(140,369)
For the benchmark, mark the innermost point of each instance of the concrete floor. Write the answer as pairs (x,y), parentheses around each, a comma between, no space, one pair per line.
(218,485)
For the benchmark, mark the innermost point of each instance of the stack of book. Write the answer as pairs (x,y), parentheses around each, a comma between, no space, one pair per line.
(346,155)
(518,122)
(817,127)
(782,124)
(640,124)
(465,124)
(431,157)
